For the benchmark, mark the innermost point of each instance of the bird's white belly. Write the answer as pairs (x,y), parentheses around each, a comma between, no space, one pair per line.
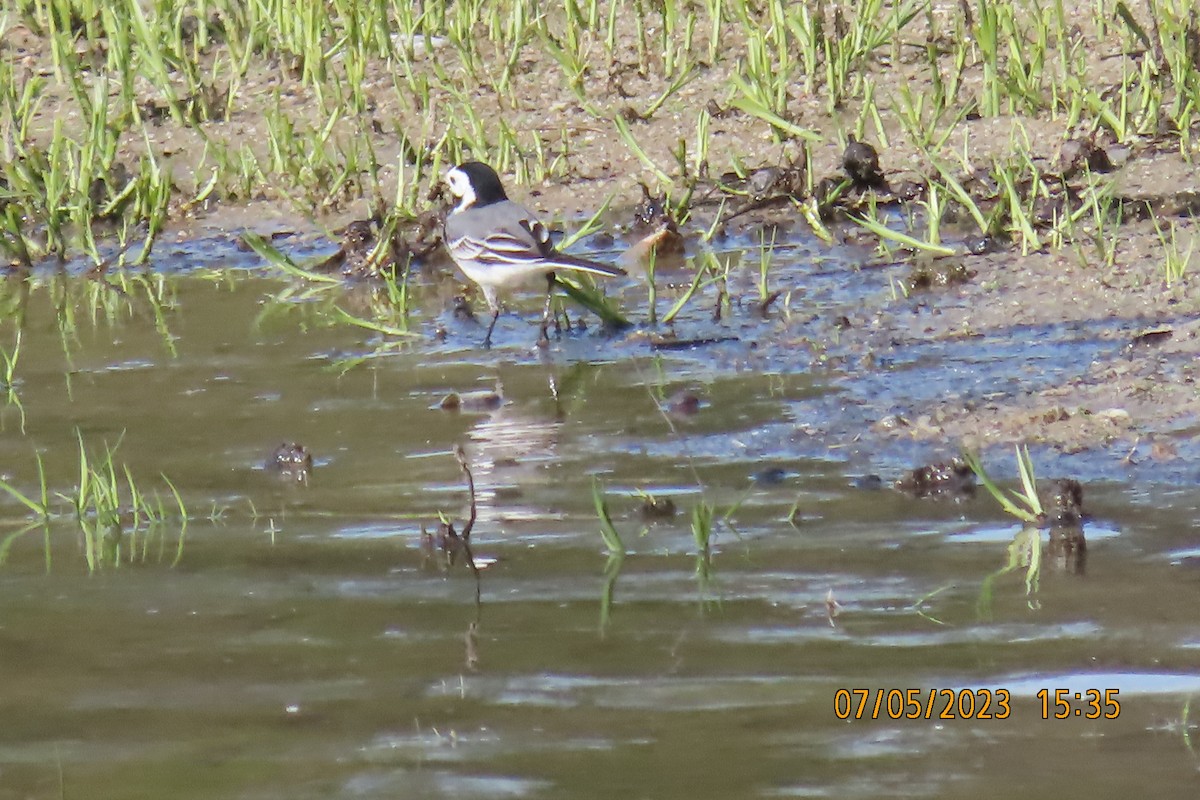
(504,276)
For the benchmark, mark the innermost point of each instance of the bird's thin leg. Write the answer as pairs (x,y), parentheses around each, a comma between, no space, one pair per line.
(487,340)
(489,294)
(543,336)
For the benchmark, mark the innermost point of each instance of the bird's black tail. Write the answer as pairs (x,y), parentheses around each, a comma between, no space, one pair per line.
(567,261)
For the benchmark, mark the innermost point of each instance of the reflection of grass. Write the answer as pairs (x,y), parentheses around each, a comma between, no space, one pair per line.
(8,541)
(386,301)
(8,380)
(616,554)
(702,524)
(919,605)
(1025,550)
(109,299)
(612,569)
(708,271)
(1184,728)
(40,505)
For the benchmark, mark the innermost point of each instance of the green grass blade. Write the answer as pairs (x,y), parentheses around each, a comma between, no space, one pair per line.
(378,327)
(272,255)
(608,531)
(24,499)
(995,491)
(884,232)
(593,300)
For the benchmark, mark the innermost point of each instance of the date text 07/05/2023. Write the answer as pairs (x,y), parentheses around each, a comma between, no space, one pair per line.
(970,703)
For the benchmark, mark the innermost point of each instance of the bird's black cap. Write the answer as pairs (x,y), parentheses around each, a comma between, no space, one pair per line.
(485,182)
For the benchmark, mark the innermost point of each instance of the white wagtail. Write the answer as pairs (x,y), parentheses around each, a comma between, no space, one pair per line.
(498,243)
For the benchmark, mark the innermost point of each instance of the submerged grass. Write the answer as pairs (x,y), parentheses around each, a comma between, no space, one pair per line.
(1024,551)
(608,531)
(117,518)
(616,554)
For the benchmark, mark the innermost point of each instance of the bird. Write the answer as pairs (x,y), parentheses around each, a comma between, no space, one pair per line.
(498,243)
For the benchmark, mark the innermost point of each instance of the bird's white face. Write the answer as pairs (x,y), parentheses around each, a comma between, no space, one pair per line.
(460,187)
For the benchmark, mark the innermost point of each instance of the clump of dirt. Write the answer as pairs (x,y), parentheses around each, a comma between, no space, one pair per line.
(291,460)
(929,273)
(366,251)
(945,478)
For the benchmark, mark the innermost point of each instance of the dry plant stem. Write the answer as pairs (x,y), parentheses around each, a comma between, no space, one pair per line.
(461,456)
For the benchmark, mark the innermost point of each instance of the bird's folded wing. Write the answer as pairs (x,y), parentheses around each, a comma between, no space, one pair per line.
(499,248)
(524,244)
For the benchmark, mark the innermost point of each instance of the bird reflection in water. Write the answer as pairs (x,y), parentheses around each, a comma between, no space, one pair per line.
(513,448)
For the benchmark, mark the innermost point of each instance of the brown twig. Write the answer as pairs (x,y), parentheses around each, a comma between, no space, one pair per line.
(461,455)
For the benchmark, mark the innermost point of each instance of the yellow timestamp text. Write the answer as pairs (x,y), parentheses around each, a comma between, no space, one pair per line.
(922,704)
(1090,704)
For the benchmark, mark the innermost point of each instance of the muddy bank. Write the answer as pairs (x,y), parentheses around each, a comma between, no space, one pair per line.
(1136,395)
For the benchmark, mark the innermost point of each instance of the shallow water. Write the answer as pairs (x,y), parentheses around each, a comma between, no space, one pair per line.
(297,640)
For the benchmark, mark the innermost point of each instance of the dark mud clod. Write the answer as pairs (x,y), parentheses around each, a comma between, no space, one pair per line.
(828,192)
(486,400)
(1048,210)
(870,482)
(291,459)
(861,163)
(1152,337)
(768,183)
(944,478)
(764,187)
(931,273)
(652,214)
(1068,502)
(654,221)
(631,114)
(351,258)
(982,245)
(909,190)
(363,251)
(715,110)
(653,508)
(1079,155)
(683,403)
(461,308)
